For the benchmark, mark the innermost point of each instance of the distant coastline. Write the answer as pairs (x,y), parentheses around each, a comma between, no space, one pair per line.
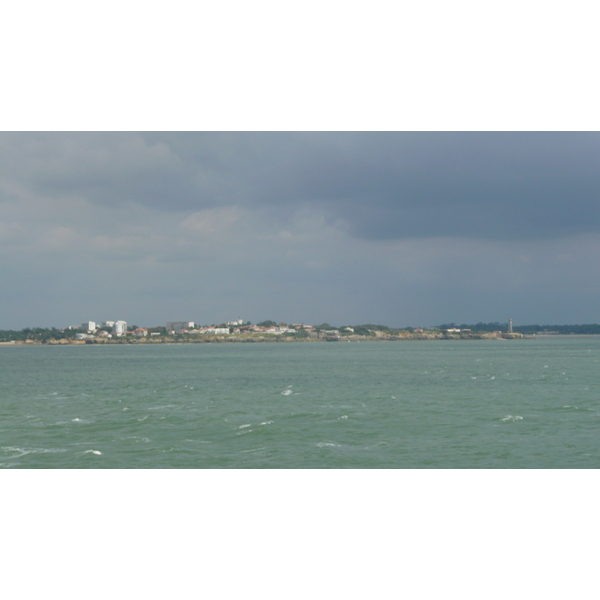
(119,332)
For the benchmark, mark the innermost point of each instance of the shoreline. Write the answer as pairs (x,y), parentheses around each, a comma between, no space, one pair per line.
(272,340)
(233,339)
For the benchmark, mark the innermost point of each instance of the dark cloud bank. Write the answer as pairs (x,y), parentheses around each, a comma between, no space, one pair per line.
(402,228)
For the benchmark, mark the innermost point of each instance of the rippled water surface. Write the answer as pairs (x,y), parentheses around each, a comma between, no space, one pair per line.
(429,404)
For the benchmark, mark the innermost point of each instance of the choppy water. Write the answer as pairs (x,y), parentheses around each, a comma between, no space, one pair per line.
(430,404)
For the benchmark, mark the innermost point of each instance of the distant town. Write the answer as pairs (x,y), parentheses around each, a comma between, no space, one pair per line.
(119,332)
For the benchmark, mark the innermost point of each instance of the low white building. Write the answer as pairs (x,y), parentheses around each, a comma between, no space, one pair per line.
(216,330)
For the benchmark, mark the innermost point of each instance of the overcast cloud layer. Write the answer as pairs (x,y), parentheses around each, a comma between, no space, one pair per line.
(395,228)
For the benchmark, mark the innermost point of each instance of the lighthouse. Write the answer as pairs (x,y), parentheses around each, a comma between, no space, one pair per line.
(510,325)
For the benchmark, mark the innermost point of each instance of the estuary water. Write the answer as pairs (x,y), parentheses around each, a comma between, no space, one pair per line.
(420,404)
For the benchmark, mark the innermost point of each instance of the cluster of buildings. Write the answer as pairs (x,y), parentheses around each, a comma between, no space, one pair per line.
(116,329)
(231,327)
(93,329)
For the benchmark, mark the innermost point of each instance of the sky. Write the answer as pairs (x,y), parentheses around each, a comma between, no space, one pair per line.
(403,229)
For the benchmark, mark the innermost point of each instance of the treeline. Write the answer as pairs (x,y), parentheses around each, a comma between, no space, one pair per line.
(37,334)
(585,329)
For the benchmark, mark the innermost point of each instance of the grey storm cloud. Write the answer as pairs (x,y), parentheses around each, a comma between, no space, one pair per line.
(375,185)
(398,228)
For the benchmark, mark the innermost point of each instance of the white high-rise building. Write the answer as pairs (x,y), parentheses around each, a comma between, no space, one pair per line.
(120,327)
(89,326)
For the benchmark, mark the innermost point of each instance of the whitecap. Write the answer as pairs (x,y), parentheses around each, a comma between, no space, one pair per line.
(24,451)
(244,426)
(97,452)
(286,392)
(511,418)
(325,444)
(343,417)
(266,422)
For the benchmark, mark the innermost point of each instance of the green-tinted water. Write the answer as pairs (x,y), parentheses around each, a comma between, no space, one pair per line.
(431,404)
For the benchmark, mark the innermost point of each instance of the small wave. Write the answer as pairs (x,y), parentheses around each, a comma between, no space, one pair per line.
(326,444)
(75,420)
(24,451)
(244,426)
(244,431)
(342,418)
(286,392)
(97,452)
(266,422)
(511,418)
(137,438)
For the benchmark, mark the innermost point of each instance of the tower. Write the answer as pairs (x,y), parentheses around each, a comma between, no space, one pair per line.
(510,325)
